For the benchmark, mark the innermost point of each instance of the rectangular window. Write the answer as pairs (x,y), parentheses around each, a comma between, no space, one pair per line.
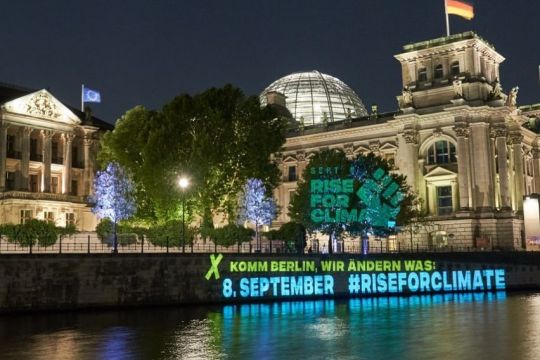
(75,157)
(48,216)
(10,180)
(444,200)
(10,147)
(34,183)
(292,173)
(25,216)
(35,154)
(74,187)
(70,219)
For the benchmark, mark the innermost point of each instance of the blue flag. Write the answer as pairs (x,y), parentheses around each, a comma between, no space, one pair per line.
(90,95)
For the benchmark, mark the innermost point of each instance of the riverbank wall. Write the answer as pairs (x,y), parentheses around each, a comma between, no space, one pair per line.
(69,281)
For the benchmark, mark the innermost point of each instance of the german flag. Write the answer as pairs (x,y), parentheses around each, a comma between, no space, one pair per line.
(460,8)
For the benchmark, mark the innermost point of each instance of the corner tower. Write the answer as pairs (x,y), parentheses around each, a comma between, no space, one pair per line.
(461,67)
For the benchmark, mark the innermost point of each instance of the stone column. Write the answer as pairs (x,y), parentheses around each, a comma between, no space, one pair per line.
(536,169)
(462,131)
(301,164)
(409,160)
(66,176)
(25,157)
(515,139)
(483,188)
(499,132)
(88,164)
(3,154)
(47,158)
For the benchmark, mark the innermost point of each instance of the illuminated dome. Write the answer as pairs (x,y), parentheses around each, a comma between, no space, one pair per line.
(311,95)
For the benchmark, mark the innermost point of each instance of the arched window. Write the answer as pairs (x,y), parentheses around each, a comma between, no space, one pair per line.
(441,152)
(438,73)
(454,68)
(422,74)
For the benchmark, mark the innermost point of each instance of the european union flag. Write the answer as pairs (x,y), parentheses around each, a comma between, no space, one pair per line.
(90,95)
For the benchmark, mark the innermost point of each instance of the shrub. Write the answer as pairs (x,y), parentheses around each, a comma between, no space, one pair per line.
(229,235)
(31,232)
(104,230)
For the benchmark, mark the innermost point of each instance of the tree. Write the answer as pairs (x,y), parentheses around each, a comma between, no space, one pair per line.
(300,206)
(113,196)
(256,206)
(377,200)
(220,138)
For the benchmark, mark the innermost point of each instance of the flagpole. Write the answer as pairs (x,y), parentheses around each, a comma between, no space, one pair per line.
(82,98)
(447,21)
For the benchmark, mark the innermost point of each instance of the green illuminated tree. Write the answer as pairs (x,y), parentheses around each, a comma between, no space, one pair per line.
(379,197)
(218,138)
(300,207)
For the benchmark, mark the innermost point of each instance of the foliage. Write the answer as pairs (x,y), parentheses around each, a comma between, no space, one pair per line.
(213,137)
(104,229)
(256,207)
(170,233)
(113,194)
(292,234)
(68,230)
(229,235)
(362,169)
(300,207)
(32,232)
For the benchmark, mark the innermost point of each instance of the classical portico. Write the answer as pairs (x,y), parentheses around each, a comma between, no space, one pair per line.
(47,154)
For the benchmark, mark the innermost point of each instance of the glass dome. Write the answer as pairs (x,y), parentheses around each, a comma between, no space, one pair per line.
(311,96)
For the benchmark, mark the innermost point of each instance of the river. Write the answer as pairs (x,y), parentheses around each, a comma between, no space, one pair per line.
(450,326)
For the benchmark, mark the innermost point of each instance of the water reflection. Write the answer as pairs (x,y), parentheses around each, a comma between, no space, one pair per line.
(472,325)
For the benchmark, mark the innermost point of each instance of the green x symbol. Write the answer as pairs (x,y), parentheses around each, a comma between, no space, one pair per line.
(214,262)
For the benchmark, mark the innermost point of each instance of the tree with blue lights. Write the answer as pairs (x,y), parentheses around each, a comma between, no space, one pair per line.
(256,206)
(113,196)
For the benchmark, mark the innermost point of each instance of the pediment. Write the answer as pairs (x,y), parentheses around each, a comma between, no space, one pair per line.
(360,149)
(42,105)
(289,159)
(440,172)
(388,147)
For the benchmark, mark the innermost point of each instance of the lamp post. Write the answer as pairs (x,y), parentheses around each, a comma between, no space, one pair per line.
(183,182)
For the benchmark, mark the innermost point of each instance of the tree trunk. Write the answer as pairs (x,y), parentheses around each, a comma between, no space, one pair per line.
(330,241)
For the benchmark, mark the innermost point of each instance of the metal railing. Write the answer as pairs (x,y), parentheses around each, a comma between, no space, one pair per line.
(91,244)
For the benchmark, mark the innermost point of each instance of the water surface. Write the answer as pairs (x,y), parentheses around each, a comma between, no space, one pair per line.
(451,326)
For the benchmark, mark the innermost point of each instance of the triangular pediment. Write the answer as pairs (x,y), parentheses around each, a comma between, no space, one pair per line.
(289,159)
(439,172)
(388,147)
(360,149)
(42,105)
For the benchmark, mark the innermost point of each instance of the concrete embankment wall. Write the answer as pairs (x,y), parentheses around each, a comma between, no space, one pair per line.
(69,281)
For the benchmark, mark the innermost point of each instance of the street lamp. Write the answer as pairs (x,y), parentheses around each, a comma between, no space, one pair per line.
(183,182)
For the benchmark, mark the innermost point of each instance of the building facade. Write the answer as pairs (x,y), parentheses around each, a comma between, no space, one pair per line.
(48,155)
(461,141)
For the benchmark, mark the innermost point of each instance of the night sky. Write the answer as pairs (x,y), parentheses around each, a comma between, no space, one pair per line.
(146,52)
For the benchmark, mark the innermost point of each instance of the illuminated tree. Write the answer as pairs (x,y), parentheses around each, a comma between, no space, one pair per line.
(113,196)
(300,207)
(376,202)
(256,207)
(220,138)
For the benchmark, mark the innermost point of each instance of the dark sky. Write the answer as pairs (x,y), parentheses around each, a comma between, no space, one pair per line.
(148,51)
